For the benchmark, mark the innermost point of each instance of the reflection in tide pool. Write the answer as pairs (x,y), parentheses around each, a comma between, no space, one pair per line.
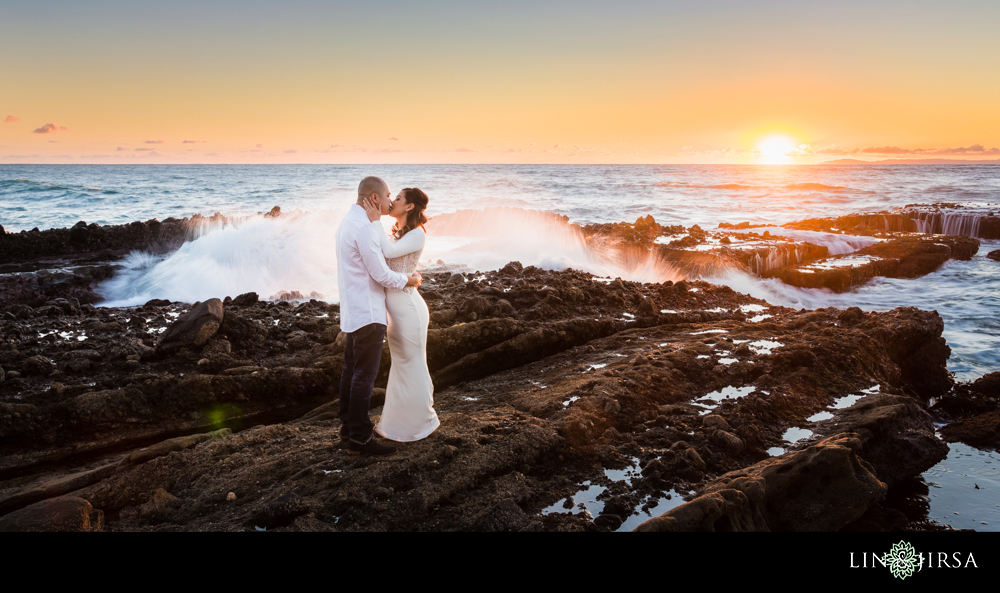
(586,499)
(712,400)
(965,489)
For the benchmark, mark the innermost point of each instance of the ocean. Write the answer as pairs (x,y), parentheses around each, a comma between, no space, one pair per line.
(296,252)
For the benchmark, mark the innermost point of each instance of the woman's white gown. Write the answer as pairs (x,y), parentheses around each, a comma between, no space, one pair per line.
(408,413)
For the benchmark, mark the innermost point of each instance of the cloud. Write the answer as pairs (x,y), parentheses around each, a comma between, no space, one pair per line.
(121,148)
(11,119)
(394,138)
(194,141)
(890,150)
(49,129)
(837,151)
(144,149)
(975,149)
(155,142)
(388,150)
(465,150)
(258,146)
(290,151)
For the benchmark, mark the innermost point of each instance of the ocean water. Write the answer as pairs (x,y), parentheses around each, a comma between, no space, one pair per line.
(296,252)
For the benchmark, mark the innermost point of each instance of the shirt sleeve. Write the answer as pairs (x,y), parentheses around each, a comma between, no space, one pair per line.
(411,241)
(371,254)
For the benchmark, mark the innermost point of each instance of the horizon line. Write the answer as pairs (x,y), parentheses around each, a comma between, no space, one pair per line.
(856,162)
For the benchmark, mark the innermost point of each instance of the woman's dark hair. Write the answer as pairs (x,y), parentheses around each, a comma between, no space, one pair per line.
(415,218)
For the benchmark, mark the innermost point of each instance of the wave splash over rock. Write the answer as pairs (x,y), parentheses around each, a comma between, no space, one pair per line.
(296,252)
(263,254)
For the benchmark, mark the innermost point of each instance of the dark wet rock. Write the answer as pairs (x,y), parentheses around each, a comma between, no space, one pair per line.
(286,296)
(159,506)
(280,511)
(913,339)
(942,218)
(522,348)
(446,346)
(64,513)
(647,308)
(506,516)
(243,334)
(512,269)
(122,347)
(641,233)
(93,239)
(895,433)
(193,329)
(170,445)
(53,487)
(38,366)
(994,255)
(901,257)
(821,488)
(245,300)
(476,307)
(987,386)
(981,431)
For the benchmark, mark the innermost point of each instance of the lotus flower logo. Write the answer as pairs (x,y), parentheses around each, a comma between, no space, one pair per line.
(902,560)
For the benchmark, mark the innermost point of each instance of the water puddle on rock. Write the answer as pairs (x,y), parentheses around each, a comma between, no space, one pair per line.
(711,400)
(668,501)
(586,499)
(764,346)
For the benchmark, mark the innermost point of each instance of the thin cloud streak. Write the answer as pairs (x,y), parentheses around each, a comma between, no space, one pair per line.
(50,129)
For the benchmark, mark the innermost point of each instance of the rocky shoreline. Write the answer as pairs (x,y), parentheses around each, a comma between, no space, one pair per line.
(221,415)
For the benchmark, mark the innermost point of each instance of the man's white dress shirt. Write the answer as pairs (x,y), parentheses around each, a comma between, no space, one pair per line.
(362,272)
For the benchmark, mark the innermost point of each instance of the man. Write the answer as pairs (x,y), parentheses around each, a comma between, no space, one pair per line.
(361,275)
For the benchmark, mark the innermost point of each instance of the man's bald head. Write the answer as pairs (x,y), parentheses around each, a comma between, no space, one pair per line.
(372,185)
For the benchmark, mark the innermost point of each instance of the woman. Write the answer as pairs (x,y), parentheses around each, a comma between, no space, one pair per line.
(408,413)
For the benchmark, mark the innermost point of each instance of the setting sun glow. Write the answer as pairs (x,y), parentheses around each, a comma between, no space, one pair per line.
(776,150)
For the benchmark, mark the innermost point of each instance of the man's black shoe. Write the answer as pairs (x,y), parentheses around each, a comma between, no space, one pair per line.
(369,448)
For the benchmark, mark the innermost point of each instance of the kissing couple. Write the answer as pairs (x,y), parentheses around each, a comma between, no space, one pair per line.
(377,279)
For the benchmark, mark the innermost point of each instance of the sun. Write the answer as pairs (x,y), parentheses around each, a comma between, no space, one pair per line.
(776,150)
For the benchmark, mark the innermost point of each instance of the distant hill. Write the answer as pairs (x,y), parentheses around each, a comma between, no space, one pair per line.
(911,162)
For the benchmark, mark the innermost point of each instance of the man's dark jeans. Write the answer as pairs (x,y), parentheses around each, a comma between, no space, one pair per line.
(362,355)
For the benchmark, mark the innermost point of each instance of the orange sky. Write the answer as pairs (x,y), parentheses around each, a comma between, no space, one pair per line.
(553,82)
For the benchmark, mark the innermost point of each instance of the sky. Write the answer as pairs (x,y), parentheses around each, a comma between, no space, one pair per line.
(384,81)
